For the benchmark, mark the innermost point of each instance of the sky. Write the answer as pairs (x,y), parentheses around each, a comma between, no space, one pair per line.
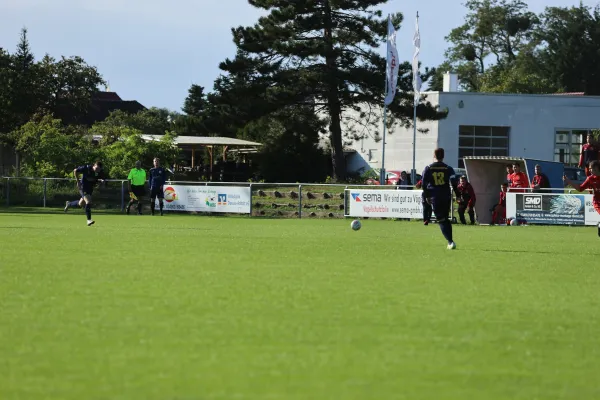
(152,51)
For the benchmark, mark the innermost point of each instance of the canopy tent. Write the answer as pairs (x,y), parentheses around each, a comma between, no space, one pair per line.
(196,142)
(486,174)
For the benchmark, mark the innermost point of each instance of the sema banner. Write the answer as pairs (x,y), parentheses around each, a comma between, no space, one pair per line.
(551,209)
(384,203)
(220,199)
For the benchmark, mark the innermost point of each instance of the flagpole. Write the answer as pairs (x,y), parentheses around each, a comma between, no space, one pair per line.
(382,172)
(391,74)
(416,88)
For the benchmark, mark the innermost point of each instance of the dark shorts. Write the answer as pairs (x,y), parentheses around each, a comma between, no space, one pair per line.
(138,191)
(157,192)
(86,190)
(441,208)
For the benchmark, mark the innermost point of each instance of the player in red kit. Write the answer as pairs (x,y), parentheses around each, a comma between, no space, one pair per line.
(591,183)
(465,196)
(589,152)
(499,210)
(518,180)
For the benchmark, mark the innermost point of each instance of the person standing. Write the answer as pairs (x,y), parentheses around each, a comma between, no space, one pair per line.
(158,177)
(136,181)
(589,152)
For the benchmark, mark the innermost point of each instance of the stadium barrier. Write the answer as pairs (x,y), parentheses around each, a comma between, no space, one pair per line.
(541,208)
(294,200)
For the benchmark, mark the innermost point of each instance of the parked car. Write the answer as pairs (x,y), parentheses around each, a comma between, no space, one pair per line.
(392,178)
(576,175)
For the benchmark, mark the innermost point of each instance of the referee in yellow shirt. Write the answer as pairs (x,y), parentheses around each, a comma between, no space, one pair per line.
(136,181)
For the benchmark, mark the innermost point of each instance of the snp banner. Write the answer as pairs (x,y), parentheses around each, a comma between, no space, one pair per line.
(222,199)
(383,203)
(552,209)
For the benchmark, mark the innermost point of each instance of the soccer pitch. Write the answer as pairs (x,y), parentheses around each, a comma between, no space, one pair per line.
(189,307)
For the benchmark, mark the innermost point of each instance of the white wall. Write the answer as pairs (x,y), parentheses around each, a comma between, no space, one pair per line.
(533,119)
(399,145)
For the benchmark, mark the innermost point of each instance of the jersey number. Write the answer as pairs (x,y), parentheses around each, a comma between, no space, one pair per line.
(438,178)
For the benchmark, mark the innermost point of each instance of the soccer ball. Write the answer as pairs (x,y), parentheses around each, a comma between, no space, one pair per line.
(514,222)
(355,225)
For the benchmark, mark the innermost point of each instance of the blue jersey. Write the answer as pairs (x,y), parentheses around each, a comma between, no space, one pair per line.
(436,180)
(158,177)
(89,177)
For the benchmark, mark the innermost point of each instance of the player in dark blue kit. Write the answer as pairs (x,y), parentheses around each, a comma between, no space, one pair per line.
(157,179)
(90,175)
(436,187)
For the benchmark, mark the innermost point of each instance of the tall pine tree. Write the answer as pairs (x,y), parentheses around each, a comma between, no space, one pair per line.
(322,53)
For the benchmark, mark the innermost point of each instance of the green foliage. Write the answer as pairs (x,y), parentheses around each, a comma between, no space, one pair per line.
(503,47)
(322,55)
(290,152)
(128,147)
(51,150)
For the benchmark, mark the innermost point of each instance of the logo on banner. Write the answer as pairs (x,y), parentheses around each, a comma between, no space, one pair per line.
(170,194)
(222,199)
(210,201)
(532,202)
(356,196)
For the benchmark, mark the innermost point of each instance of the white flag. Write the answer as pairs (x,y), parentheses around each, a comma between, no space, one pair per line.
(415,63)
(392,63)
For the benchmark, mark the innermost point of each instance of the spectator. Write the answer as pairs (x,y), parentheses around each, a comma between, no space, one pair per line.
(403,181)
(427,209)
(499,210)
(465,197)
(518,179)
(589,152)
(509,172)
(540,180)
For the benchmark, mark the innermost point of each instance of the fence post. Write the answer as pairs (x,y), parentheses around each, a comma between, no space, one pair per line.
(250,200)
(7,192)
(299,201)
(45,181)
(123,196)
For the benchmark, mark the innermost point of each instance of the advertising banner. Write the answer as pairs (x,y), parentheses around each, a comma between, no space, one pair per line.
(552,209)
(384,203)
(221,199)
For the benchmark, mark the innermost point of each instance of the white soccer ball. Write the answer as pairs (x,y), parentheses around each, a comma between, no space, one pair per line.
(514,222)
(355,225)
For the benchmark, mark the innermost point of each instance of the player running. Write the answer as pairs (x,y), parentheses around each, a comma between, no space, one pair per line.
(591,183)
(436,187)
(158,177)
(426,206)
(90,175)
(136,181)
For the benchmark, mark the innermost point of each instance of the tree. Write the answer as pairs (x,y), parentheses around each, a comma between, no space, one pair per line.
(494,32)
(570,48)
(50,149)
(320,54)
(195,102)
(153,121)
(68,85)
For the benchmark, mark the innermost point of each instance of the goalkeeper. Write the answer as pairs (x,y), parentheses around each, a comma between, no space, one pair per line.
(136,181)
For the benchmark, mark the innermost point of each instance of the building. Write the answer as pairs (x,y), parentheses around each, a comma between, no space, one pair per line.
(544,127)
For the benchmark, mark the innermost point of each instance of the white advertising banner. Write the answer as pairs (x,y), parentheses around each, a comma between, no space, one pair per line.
(221,199)
(591,215)
(384,203)
(552,209)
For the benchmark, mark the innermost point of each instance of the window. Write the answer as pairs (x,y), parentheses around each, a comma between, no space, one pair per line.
(482,141)
(567,145)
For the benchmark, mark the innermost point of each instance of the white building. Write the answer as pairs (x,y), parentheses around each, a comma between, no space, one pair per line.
(543,127)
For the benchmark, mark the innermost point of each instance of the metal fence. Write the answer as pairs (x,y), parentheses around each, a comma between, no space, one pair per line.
(267,199)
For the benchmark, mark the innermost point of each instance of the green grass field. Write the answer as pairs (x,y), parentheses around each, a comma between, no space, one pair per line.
(188,307)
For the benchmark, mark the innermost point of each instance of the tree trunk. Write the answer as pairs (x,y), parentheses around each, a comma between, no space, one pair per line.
(333,101)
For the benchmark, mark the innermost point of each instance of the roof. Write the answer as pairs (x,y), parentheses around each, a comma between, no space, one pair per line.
(204,140)
(506,158)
